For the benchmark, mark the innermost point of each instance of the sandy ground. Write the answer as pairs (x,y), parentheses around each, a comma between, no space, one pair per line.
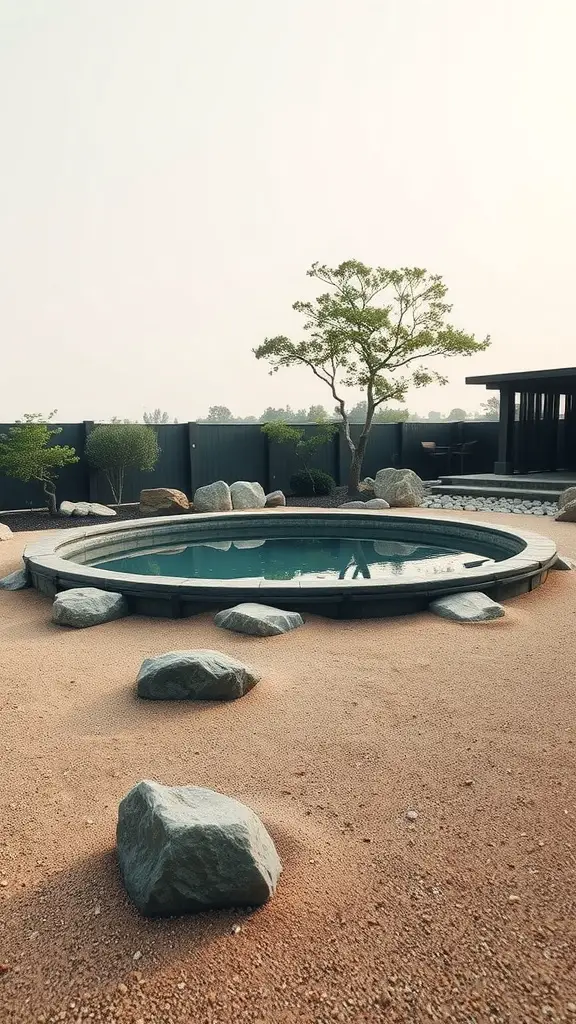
(468,914)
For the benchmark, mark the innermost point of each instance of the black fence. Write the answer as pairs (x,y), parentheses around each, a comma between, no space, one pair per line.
(194,454)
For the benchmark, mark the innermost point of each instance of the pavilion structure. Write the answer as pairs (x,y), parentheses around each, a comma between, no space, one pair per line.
(537,428)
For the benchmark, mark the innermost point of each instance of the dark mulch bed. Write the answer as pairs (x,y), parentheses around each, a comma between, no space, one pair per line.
(20,521)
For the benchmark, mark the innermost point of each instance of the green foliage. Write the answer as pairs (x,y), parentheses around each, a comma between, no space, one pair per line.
(116,447)
(26,454)
(385,414)
(373,329)
(491,408)
(311,482)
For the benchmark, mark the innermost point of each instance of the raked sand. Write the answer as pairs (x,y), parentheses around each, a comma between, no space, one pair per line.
(468,914)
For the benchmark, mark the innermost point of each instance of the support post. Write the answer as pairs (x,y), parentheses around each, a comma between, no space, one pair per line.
(505,464)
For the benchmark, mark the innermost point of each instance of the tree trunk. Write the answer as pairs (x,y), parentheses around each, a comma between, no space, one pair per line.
(49,489)
(358,454)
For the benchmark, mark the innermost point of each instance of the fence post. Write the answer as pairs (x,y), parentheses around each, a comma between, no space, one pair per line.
(192,442)
(92,473)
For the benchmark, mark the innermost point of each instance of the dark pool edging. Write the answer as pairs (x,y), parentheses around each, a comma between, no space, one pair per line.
(53,566)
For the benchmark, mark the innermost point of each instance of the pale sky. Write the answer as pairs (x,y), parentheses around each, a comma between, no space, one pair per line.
(170,169)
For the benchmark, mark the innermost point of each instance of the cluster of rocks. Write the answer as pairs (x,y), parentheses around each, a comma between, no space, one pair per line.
(85,508)
(390,488)
(241,495)
(467,503)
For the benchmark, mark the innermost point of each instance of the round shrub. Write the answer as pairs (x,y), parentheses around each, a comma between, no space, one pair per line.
(309,483)
(114,448)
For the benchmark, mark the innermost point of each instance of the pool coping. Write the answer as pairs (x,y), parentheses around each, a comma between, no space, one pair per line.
(50,571)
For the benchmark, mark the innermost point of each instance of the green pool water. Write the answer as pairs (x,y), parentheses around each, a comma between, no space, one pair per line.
(292,558)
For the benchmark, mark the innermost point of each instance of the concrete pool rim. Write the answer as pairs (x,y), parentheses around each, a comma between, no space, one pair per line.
(52,566)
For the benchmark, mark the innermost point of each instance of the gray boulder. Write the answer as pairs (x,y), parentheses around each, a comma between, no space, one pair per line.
(5,532)
(213,498)
(101,510)
(353,504)
(566,497)
(275,499)
(401,488)
(67,508)
(87,606)
(194,675)
(377,503)
(247,495)
(18,580)
(471,606)
(258,620)
(567,513)
(184,849)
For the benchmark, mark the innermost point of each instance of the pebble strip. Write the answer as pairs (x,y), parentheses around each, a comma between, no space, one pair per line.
(466,503)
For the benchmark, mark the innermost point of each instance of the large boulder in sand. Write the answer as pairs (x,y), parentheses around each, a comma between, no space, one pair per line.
(5,532)
(401,488)
(567,513)
(163,501)
(247,495)
(467,607)
(194,675)
(276,499)
(213,498)
(184,849)
(258,619)
(87,606)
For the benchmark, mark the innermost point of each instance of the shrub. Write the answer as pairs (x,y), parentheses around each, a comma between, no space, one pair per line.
(309,483)
(116,447)
(26,454)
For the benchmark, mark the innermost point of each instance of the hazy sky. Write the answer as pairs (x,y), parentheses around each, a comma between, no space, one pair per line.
(170,168)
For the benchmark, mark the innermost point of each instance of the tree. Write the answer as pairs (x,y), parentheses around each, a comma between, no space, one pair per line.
(491,408)
(369,327)
(157,417)
(316,414)
(219,414)
(26,454)
(357,414)
(457,414)
(304,447)
(116,447)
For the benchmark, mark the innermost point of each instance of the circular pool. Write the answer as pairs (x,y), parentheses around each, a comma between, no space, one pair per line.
(343,563)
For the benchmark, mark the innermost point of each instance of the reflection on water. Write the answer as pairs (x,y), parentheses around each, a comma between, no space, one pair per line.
(288,558)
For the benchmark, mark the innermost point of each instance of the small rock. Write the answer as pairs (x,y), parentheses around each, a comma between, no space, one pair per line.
(137,955)
(87,606)
(18,580)
(258,619)
(5,532)
(513,899)
(122,988)
(353,504)
(236,929)
(561,563)
(194,675)
(471,606)
(411,815)
(275,499)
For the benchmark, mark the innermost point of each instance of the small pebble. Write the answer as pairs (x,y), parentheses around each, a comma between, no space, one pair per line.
(236,929)
(122,988)
(411,815)
(513,899)
(137,955)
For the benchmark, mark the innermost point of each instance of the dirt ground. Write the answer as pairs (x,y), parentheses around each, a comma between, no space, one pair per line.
(467,914)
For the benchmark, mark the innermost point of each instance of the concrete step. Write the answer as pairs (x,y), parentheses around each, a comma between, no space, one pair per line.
(537,482)
(524,493)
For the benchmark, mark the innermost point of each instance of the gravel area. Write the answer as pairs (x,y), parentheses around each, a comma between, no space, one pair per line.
(418,777)
(468,503)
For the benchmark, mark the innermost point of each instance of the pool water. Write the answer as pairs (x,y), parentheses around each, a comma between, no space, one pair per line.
(293,558)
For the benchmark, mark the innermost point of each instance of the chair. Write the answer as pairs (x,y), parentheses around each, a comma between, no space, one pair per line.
(438,451)
(462,450)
